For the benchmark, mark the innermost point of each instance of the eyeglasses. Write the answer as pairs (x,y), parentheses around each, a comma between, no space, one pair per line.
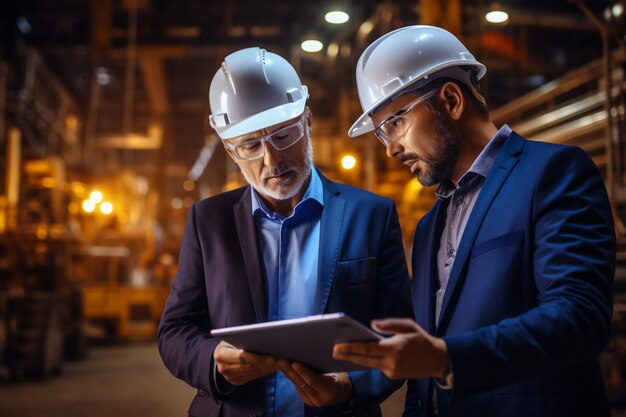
(280,139)
(393,127)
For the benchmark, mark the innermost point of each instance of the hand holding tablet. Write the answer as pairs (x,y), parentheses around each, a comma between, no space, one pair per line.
(307,340)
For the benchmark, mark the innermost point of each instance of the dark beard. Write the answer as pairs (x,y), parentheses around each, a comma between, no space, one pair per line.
(440,168)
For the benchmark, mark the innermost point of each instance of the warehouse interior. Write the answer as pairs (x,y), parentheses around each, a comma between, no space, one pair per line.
(105,144)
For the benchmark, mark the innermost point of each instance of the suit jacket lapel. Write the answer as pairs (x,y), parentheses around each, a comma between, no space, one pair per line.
(330,239)
(504,163)
(426,286)
(246,232)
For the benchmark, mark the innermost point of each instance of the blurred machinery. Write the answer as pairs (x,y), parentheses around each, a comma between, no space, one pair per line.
(77,245)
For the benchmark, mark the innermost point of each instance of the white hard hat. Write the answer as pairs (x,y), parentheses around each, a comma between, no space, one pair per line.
(410,56)
(252,90)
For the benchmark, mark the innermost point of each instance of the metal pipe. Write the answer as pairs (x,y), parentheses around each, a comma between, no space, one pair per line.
(14,154)
(613,159)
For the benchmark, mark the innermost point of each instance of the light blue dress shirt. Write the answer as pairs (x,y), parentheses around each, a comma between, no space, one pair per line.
(290,249)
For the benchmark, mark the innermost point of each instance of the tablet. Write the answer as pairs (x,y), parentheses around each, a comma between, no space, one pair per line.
(308,340)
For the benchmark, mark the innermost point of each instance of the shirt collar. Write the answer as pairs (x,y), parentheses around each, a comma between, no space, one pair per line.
(480,167)
(315,191)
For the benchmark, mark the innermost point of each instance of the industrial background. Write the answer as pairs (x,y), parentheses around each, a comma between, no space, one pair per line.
(105,145)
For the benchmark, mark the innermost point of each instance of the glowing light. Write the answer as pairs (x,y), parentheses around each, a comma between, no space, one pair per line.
(348,162)
(89,206)
(189,185)
(312,45)
(188,202)
(366,27)
(106,207)
(102,76)
(42,233)
(337,17)
(48,182)
(497,16)
(333,50)
(177,203)
(96,196)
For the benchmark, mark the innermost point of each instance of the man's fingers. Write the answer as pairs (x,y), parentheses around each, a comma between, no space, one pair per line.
(257,360)
(301,386)
(312,379)
(373,349)
(359,359)
(393,326)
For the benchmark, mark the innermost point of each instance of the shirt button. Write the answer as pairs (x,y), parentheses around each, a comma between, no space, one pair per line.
(451,253)
(459,201)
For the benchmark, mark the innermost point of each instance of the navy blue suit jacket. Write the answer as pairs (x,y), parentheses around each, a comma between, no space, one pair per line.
(220,282)
(528,304)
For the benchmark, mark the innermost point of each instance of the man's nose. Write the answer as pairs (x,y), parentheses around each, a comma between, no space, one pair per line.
(393,148)
(271,155)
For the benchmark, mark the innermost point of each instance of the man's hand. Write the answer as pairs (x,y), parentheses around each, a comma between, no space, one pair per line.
(317,390)
(239,367)
(410,353)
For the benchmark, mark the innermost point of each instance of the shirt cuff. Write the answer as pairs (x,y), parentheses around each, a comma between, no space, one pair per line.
(447,381)
(222,386)
(348,406)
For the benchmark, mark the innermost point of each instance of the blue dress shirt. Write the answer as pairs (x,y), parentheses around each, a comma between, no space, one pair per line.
(290,249)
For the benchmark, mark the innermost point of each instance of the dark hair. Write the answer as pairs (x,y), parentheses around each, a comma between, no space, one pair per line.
(439,82)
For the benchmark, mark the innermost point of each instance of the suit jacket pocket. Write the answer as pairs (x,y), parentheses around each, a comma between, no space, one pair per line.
(496,242)
(356,271)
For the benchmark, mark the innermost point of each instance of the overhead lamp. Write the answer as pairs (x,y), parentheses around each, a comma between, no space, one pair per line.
(496,14)
(312,45)
(337,17)
(615,16)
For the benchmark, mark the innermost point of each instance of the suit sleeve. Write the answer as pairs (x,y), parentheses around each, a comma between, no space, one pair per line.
(184,341)
(573,260)
(394,300)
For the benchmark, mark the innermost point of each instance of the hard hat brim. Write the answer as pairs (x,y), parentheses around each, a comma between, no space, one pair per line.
(262,120)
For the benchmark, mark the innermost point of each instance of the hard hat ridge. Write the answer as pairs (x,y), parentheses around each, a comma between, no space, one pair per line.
(252,90)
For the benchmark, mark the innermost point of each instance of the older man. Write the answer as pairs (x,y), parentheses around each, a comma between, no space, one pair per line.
(291,244)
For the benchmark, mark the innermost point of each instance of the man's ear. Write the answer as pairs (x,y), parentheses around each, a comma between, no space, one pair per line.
(309,116)
(453,100)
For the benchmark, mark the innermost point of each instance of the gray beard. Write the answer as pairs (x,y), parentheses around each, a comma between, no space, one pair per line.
(302,174)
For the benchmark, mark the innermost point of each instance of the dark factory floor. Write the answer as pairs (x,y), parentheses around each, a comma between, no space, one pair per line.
(114,381)
(119,381)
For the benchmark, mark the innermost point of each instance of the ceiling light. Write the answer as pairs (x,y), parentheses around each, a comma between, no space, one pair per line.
(337,17)
(496,14)
(312,45)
